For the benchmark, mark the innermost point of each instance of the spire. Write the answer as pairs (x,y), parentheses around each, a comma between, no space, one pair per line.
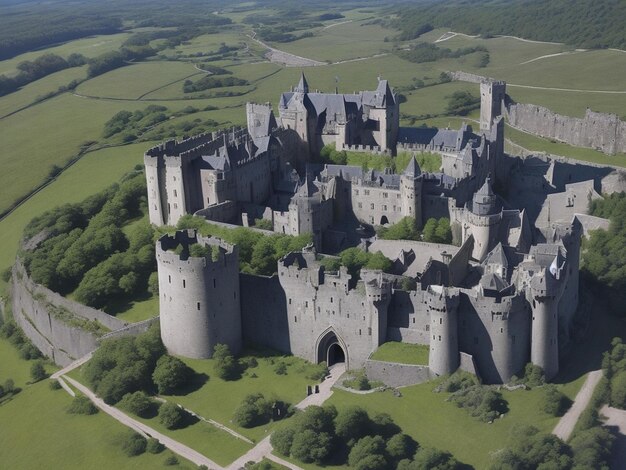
(303,86)
(486,190)
(412,169)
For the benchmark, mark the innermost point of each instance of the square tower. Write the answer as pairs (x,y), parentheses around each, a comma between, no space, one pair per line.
(491,98)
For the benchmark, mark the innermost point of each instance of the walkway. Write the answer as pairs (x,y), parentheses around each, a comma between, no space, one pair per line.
(147,431)
(616,418)
(77,363)
(565,426)
(264,448)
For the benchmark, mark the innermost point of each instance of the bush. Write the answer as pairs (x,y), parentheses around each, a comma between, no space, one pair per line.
(171,460)
(154,446)
(310,446)
(253,411)
(351,424)
(38,372)
(282,440)
(171,416)
(137,403)
(226,367)
(555,403)
(281,368)
(55,385)
(134,444)
(401,446)
(482,402)
(171,374)
(365,448)
(82,405)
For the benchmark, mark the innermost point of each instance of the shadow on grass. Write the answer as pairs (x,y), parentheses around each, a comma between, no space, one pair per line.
(196,382)
(120,305)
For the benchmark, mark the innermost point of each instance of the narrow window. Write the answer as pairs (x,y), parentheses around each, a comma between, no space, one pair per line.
(295,319)
(359,331)
(214,283)
(184,284)
(441,321)
(413,319)
(369,331)
(198,305)
(169,278)
(439,337)
(289,301)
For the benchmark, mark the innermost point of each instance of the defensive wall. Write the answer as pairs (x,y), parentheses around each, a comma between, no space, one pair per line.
(62,329)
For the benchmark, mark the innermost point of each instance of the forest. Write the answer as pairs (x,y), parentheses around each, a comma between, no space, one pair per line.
(580,23)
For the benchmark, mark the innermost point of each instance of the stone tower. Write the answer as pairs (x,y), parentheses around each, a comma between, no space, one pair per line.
(544,293)
(411,192)
(492,95)
(442,306)
(483,221)
(198,294)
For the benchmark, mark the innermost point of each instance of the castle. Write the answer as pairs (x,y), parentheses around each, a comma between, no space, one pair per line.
(504,297)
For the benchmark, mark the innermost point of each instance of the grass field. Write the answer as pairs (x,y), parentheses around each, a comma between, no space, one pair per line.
(402,353)
(428,418)
(217,399)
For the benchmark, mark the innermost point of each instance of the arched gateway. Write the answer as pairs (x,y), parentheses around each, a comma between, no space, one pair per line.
(331,349)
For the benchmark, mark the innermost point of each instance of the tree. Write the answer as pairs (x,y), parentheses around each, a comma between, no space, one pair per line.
(429,230)
(366,447)
(137,403)
(443,232)
(555,403)
(618,390)
(226,367)
(351,424)
(282,440)
(38,372)
(170,374)
(134,444)
(310,446)
(171,416)
(435,459)
(253,411)
(401,446)
(154,446)
(81,405)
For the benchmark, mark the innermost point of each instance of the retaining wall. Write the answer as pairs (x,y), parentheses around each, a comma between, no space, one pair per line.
(396,375)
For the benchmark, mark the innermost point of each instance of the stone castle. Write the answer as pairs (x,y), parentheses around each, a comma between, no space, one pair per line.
(506,294)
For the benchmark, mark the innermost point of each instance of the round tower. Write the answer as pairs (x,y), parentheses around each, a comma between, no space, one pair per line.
(198,294)
(411,192)
(484,221)
(544,350)
(444,344)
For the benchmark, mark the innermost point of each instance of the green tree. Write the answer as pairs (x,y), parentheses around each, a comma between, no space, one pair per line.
(555,403)
(365,448)
(171,374)
(137,403)
(171,416)
(133,444)
(401,446)
(226,367)
(309,446)
(351,424)
(282,440)
(38,372)
(430,230)
(81,405)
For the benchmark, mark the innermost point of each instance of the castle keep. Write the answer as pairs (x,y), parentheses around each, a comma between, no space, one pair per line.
(504,296)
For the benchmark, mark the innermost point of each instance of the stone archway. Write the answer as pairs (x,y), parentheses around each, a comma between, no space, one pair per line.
(331,349)
(384,220)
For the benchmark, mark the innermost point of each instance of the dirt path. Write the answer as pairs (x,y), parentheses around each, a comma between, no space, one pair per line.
(565,426)
(610,92)
(337,24)
(451,34)
(174,446)
(72,366)
(264,448)
(285,58)
(547,56)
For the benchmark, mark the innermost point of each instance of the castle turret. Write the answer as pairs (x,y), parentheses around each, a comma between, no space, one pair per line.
(302,86)
(411,192)
(378,292)
(198,294)
(492,95)
(483,221)
(442,306)
(544,293)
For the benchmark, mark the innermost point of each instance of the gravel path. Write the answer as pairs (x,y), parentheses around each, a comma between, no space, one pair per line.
(565,426)
(174,446)
(617,418)
(72,366)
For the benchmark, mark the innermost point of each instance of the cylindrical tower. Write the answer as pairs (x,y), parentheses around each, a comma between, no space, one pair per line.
(544,350)
(411,192)
(199,294)
(442,306)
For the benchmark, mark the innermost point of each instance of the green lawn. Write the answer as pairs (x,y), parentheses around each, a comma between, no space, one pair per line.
(429,418)
(403,353)
(12,366)
(141,308)
(217,399)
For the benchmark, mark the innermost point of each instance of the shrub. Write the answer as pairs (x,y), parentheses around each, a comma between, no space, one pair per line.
(282,440)
(401,446)
(55,385)
(226,367)
(281,368)
(134,444)
(555,403)
(38,372)
(137,403)
(351,424)
(82,405)
(253,411)
(170,374)
(365,448)
(171,460)
(482,402)
(154,446)
(310,446)
(171,416)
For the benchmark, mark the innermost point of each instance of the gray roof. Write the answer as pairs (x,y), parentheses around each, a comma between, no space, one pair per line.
(412,169)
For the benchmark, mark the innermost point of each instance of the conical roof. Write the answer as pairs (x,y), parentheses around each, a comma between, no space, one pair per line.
(412,169)
(486,190)
(303,86)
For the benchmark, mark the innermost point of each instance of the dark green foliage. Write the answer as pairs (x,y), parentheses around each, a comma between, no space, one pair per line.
(366,448)
(618,390)
(137,122)
(171,374)
(153,283)
(28,351)
(124,365)
(458,381)
(437,231)
(282,440)
(414,31)
(427,52)
(133,444)
(533,376)
(226,367)
(318,372)
(9,388)
(482,402)
(210,81)
(137,403)
(38,371)
(435,459)
(555,403)
(281,368)
(404,229)
(258,253)
(604,255)
(556,20)
(171,461)
(310,446)
(401,446)
(329,154)
(532,449)
(592,448)
(154,446)
(82,405)
(351,424)
(115,59)
(253,411)
(354,259)
(171,416)
(461,103)
(55,385)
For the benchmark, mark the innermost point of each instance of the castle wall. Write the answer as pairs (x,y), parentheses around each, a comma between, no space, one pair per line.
(393,374)
(225,212)
(370,203)
(604,132)
(496,332)
(408,318)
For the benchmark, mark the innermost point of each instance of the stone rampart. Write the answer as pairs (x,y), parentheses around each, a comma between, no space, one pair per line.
(396,375)
(603,132)
(467,77)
